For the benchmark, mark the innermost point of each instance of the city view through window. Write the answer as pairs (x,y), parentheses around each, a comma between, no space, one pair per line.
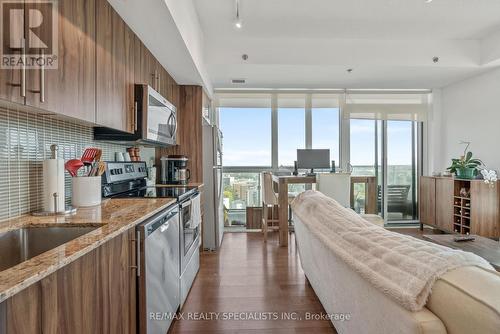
(247,152)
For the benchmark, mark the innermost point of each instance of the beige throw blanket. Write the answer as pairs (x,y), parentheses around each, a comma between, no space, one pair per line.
(402,267)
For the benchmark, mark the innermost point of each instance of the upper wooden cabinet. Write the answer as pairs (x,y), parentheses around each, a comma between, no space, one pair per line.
(11,80)
(146,66)
(70,89)
(99,61)
(115,69)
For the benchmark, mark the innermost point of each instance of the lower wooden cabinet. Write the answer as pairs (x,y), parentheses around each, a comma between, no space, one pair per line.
(94,294)
(444,203)
(427,200)
(486,210)
(461,206)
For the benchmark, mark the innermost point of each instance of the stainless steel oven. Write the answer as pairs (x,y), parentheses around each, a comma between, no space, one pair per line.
(190,220)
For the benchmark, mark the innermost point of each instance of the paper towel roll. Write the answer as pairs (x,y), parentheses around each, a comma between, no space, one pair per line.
(53,182)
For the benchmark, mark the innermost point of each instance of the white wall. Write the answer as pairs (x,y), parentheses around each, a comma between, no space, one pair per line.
(469,111)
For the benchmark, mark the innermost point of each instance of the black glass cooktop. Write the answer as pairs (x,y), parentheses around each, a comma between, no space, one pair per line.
(178,192)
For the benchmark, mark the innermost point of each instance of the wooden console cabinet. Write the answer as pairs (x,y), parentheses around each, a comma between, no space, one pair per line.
(460,206)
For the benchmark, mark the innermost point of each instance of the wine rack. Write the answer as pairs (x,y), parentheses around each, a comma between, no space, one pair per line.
(461,207)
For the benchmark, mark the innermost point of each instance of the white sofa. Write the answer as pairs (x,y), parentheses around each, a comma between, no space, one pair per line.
(465,300)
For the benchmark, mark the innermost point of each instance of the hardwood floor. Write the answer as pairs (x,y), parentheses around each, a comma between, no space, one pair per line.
(249,276)
(415,232)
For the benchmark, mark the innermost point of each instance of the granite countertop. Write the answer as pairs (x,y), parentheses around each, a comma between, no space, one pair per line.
(113,217)
(199,185)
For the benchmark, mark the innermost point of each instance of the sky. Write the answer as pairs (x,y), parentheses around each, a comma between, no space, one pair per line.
(247,136)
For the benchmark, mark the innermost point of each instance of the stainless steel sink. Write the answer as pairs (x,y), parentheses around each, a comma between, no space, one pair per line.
(19,245)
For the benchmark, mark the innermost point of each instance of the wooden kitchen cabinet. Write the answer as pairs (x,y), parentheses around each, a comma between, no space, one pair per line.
(154,72)
(99,61)
(10,79)
(141,63)
(23,311)
(69,298)
(146,67)
(189,130)
(116,284)
(94,294)
(70,89)
(115,43)
(10,83)
(167,85)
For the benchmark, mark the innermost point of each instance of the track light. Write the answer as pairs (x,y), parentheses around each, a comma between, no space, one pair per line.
(238,23)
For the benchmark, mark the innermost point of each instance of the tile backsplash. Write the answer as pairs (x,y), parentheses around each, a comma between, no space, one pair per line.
(25,140)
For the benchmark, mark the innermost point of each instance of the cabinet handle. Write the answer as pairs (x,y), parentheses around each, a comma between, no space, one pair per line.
(135,116)
(138,252)
(153,84)
(159,81)
(42,78)
(23,68)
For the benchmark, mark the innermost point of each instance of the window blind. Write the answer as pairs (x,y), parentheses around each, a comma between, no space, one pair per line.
(284,100)
(243,100)
(381,106)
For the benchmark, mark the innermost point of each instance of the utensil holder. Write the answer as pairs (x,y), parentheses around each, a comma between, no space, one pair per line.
(86,191)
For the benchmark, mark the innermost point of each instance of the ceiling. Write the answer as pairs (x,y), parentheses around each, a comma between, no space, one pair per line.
(312,43)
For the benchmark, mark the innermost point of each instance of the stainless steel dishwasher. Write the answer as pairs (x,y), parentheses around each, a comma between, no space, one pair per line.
(158,271)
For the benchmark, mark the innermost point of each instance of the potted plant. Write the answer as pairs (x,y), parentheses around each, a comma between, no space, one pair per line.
(466,166)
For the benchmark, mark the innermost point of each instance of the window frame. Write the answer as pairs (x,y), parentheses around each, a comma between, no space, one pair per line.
(420,134)
(308,123)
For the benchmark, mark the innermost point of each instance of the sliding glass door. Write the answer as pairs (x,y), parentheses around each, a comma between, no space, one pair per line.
(366,158)
(401,171)
(387,150)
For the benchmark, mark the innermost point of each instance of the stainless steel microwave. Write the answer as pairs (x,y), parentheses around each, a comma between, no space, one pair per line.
(155,121)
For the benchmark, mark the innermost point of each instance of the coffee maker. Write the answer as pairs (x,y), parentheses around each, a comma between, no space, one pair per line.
(174,169)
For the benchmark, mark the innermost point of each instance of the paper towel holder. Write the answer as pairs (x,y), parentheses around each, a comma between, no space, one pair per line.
(68,210)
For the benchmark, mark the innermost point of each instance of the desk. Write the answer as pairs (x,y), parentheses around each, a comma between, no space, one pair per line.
(283,182)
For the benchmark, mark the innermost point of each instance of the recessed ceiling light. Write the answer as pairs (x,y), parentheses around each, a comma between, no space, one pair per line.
(238,23)
(244,56)
(428,1)
(349,70)
(435,60)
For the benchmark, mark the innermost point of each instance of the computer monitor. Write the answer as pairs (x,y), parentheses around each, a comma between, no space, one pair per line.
(313,159)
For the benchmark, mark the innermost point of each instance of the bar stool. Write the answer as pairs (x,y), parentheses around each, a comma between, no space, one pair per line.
(269,200)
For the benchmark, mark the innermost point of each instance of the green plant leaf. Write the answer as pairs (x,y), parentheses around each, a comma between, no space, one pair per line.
(476,161)
(468,156)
